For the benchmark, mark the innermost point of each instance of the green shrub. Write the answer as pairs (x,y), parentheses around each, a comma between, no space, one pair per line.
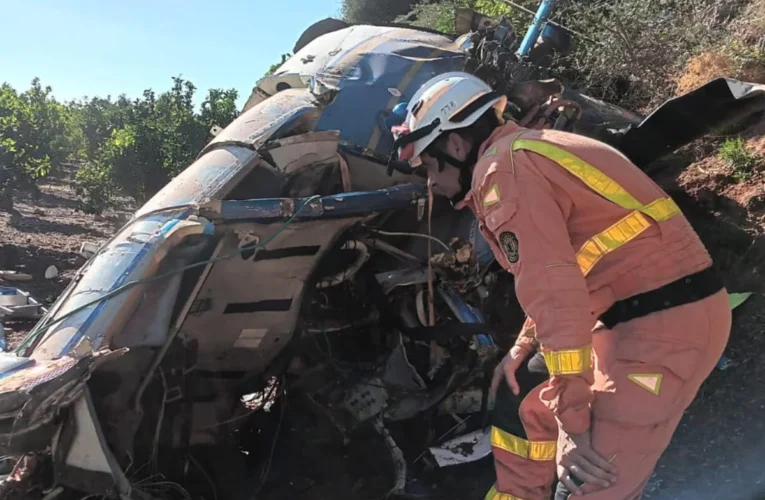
(736,154)
(33,138)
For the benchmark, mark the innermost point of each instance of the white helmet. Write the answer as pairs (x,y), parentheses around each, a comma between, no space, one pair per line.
(446,102)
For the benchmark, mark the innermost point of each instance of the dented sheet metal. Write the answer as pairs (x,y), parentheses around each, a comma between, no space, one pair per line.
(133,254)
(263,122)
(373,68)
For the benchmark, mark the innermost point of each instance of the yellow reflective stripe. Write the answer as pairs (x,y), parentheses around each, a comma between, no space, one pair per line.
(594,178)
(659,210)
(609,240)
(493,494)
(531,450)
(624,230)
(568,362)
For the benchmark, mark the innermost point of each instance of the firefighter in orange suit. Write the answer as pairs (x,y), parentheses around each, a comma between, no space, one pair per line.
(622,302)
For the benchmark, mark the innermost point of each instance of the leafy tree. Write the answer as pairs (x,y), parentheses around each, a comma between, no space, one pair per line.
(33,138)
(374,11)
(439,14)
(95,119)
(272,69)
(219,108)
(149,140)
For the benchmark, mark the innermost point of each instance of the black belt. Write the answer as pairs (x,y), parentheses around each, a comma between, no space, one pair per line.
(689,289)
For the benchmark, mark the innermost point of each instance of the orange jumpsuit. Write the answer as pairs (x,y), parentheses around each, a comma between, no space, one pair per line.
(580,227)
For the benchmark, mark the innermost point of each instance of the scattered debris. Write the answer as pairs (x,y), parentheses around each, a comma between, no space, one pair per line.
(51,273)
(725,363)
(88,250)
(399,464)
(15,276)
(736,299)
(17,304)
(463,449)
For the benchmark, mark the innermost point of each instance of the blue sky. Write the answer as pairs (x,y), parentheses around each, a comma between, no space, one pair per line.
(110,47)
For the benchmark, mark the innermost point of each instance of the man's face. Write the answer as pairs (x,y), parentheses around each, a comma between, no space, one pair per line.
(446,182)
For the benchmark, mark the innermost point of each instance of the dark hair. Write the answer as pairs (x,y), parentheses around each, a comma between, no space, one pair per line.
(476,133)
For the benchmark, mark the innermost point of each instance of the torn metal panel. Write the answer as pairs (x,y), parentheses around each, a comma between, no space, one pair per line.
(402,277)
(34,392)
(82,458)
(264,121)
(677,122)
(373,67)
(293,153)
(399,371)
(133,254)
(86,450)
(18,304)
(309,162)
(241,309)
(212,175)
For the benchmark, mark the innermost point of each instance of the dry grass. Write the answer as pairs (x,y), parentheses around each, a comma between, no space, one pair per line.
(750,27)
(720,63)
(703,68)
(739,55)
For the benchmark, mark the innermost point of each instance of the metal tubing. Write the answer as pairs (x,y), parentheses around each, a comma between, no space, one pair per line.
(334,206)
(545,9)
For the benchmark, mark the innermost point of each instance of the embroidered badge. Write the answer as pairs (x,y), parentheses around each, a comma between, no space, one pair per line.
(651,382)
(509,244)
(492,196)
(491,151)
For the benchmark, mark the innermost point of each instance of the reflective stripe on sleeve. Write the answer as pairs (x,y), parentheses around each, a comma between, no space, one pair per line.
(493,494)
(531,450)
(568,362)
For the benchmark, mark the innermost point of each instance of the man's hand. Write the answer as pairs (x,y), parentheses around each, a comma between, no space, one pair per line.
(577,460)
(507,368)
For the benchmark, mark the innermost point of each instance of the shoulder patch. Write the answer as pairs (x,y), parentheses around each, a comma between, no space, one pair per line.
(492,196)
(491,151)
(509,243)
(651,382)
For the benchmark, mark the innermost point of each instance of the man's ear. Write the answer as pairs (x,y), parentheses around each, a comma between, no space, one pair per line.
(457,145)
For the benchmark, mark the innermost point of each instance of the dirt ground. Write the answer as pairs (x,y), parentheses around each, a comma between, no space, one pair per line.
(49,231)
(717,453)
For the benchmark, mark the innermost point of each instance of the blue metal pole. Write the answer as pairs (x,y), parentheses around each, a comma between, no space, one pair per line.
(328,207)
(544,11)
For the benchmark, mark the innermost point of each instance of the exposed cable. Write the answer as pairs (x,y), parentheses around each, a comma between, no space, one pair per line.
(267,470)
(351,270)
(415,235)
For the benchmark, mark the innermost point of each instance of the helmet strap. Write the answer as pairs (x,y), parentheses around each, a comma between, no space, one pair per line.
(465,167)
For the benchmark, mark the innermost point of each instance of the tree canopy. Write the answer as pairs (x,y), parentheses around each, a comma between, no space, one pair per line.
(131,147)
